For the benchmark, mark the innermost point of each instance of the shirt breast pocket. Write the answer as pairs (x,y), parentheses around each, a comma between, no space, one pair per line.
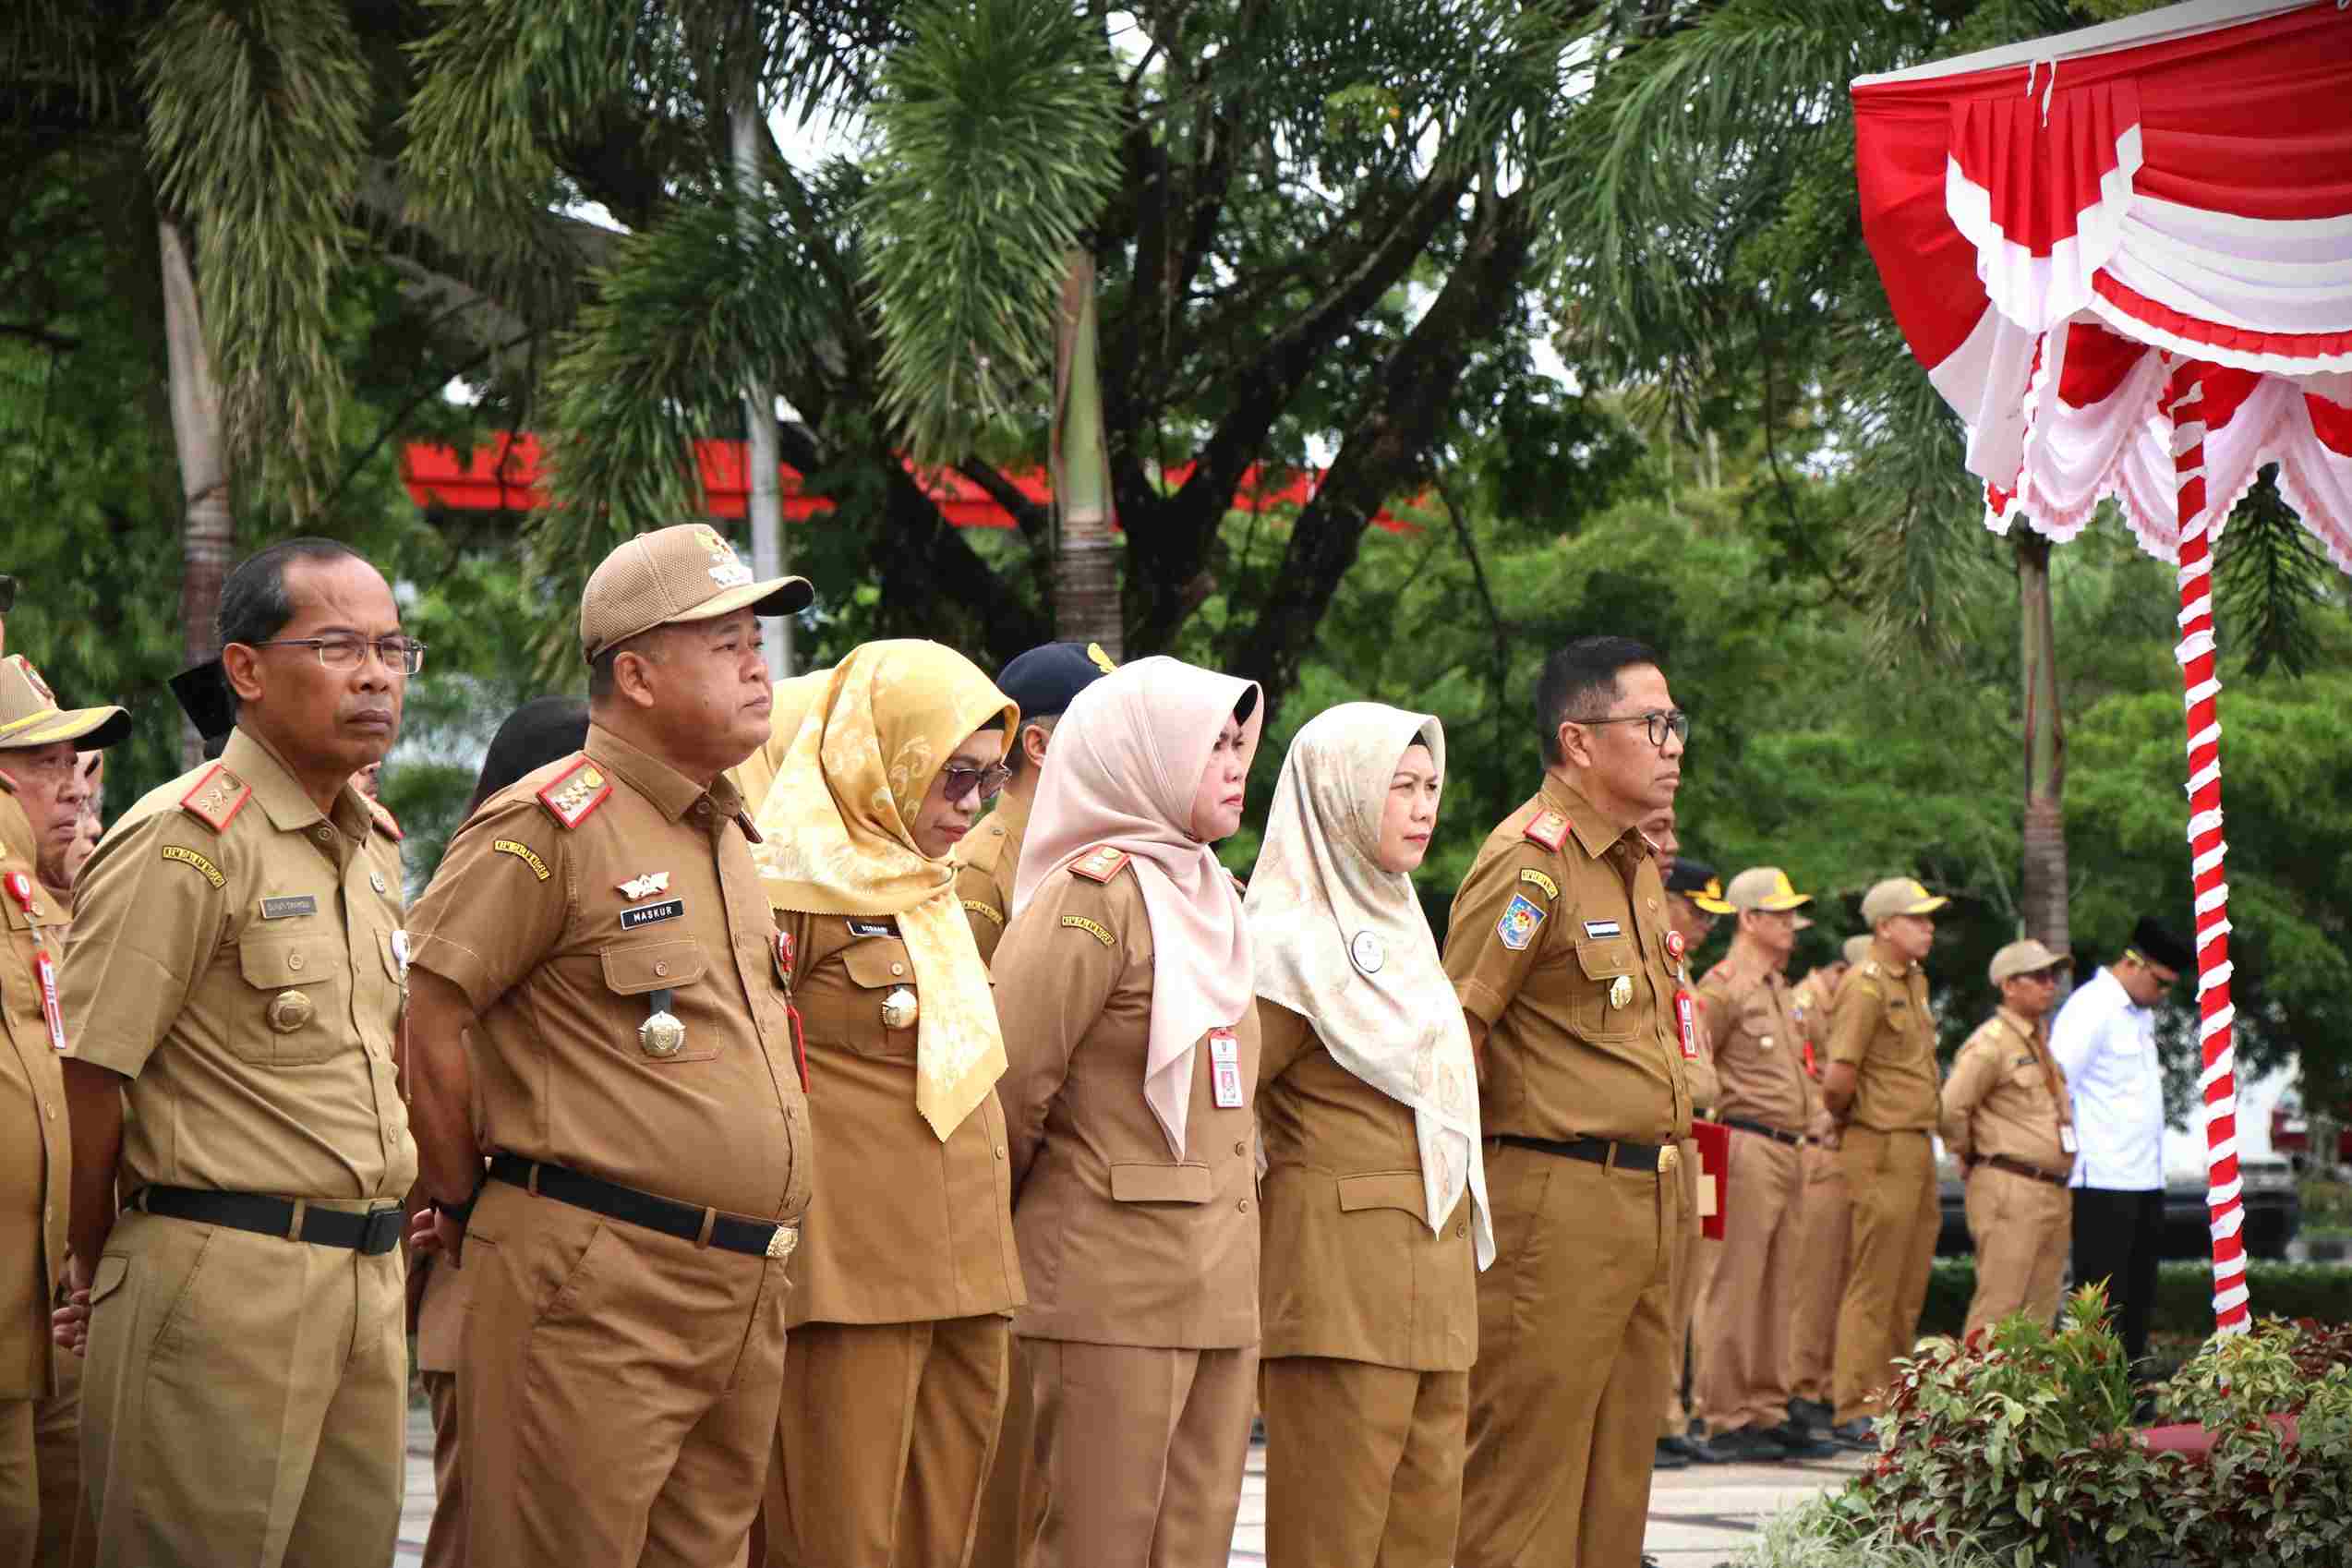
(300,989)
(883,1004)
(642,969)
(1605,970)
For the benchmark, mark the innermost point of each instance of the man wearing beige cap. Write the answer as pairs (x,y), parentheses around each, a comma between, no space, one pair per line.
(42,787)
(1881,1092)
(1765,1100)
(2009,1120)
(1826,1214)
(597,931)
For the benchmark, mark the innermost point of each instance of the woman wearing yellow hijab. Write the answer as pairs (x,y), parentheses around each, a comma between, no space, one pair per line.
(895,1374)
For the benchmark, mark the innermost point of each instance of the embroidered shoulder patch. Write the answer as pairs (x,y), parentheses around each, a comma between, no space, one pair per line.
(1519,922)
(1535,878)
(386,822)
(523,853)
(1549,829)
(189,857)
(1100,864)
(576,792)
(988,912)
(1093,929)
(218,796)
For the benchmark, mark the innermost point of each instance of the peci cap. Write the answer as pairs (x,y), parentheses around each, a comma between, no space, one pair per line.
(30,715)
(1697,881)
(2028,956)
(1856,949)
(1766,888)
(203,693)
(1042,681)
(2151,939)
(684,573)
(1898,896)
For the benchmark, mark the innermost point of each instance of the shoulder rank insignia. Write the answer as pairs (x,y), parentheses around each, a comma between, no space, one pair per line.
(576,792)
(218,796)
(1100,864)
(1535,878)
(1549,829)
(386,822)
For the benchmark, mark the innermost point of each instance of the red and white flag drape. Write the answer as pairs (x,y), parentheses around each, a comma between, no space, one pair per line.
(2125,256)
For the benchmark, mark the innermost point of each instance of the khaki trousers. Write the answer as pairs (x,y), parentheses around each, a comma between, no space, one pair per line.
(2022,1228)
(1823,1222)
(884,1441)
(445,1536)
(1744,1315)
(1363,1463)
(1891,1178)
(20,1485)
(620,1391)
(245,1399)
(1011,1499)
(1695,1256)
(1571,1370)
(1140,1453)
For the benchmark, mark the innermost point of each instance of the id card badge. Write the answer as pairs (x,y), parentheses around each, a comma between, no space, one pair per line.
(1686,1019)
(2067,1140)
(1224,1069)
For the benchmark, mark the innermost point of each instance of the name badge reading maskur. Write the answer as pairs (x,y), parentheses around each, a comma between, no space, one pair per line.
(1224,1069)
(649,914)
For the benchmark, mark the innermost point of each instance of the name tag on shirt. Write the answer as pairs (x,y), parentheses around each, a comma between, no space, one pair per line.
(647,914)
(2067,1140)
(1224,1069)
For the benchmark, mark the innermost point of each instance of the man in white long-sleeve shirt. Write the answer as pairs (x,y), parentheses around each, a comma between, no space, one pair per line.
(2106,1039)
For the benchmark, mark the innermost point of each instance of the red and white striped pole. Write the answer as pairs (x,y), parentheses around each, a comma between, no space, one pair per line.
(2184,396)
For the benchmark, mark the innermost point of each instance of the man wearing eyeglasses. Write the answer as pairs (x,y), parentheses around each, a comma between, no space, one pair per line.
(1567,968)
(231,998)
(2010,1122)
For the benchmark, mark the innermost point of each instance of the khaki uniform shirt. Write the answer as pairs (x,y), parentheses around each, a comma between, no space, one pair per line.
(1812,1009)
(1698,1070)
(1883,1027)
(1999,1099)
(986,863)
(1121,1242)
(234,956)
(902,1228)
(525,916)
(36,1156)
(1759,1053)
(1352,1267)
(1562,952)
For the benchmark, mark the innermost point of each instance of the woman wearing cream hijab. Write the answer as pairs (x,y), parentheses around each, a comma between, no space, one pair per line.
(1376,1218)
(895,1373)
(1124,982)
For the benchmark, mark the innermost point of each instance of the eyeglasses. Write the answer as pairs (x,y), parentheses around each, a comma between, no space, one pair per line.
(346,653)
(1658,723)
(957,780)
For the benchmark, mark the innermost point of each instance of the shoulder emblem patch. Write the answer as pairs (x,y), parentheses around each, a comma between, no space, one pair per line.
(1100,864)
(988,912)
(386,822)
(189,857)
(576,792)
(218,796)
(1535,878)
(1092,928)
(523,853)
(1549,829)
(1520,919)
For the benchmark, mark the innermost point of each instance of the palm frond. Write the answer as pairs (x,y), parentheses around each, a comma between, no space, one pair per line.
(2273,578)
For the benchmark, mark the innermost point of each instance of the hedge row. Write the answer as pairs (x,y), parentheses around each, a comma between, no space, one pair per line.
(2321,1292)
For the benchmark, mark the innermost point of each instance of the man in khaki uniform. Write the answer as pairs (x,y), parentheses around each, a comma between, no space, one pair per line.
(1765,1101)
(2010,1122)
(231,1001)
(599,929)
(41,792)
(1693,903)
(1881,1091)
(1827,1215)
(1560,951)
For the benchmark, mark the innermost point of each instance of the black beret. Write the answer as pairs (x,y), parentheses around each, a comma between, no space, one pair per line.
(203,691)
(1684,874)
(2154,940)
(1045,680)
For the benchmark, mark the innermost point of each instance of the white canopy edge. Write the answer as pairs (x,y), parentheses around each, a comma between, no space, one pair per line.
(2149,26)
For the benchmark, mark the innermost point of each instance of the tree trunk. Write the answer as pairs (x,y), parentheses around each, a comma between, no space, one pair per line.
(1086,562)
(207,533)
(2043,897)
(769,549)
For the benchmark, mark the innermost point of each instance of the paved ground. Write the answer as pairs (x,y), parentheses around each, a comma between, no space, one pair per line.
(1698,1517)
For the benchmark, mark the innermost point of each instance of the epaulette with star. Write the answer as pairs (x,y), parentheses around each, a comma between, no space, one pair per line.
(1549,829)
(216,798)
(386,824)
(576,792)
(1100,864)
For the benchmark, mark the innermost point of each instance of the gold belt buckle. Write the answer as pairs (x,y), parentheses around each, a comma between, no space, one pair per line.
(780,1245)
(1670,1160)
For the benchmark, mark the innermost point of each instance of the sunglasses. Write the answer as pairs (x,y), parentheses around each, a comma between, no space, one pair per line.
(958,780)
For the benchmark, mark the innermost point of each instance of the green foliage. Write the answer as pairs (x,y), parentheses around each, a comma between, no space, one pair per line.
(2316,1293)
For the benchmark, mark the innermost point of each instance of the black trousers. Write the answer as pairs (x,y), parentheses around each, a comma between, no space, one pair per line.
(2116,1239)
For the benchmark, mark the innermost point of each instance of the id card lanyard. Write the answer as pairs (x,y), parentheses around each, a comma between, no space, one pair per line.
(44,968)
(1685,1004)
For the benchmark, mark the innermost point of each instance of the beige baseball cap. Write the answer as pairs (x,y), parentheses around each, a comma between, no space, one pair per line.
(1898,896)
(30,715)
(1857,949)
(2025,958)
(1766,888)
(686,573)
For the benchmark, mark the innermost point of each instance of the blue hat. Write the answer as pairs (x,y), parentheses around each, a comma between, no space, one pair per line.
(1045,680)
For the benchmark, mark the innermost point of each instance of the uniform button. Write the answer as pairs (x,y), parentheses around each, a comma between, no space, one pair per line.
(326,834)
(1000,1153)
(898,968)
(1241,1147)
(293,960)
(661,968)
(1245,1205)
(1461,1229)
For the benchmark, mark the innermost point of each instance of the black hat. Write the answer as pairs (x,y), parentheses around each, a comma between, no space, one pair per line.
(2156,942)
(1045,680)
(203,691)
(533,736)
(1697,881)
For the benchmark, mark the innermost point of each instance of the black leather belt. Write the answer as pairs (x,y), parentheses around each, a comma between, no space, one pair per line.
(1598,1151)
(759,1238)
(2019,1167)
(373,1233)
(1794,1139)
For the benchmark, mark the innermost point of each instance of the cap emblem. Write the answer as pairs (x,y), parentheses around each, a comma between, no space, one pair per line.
(1102,660)
(727,570)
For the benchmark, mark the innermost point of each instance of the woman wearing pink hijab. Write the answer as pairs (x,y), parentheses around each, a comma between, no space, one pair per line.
(1124,985)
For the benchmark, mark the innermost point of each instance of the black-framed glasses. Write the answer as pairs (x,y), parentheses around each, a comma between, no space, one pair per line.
(1660,722)
(958,780)
(346,653)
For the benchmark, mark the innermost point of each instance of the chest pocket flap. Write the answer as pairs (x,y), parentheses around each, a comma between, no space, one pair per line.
(275,964)
(874,962)
(649,965)
(1382,1190)
(1605,957)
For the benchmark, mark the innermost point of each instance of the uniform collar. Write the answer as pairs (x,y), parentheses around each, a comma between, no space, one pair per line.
(1889,961)
(289,806)
(1594,831)
(2018,1025)
(673,793)
(1012,815)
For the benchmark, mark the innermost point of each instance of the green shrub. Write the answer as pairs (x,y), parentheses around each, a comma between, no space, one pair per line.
(2321,1292)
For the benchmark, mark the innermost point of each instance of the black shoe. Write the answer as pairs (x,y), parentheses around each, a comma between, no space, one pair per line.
(1669,1457)
(1812,1413)
(1747,1446)
(1799,1441)
(1690,1451)
(1860,1434)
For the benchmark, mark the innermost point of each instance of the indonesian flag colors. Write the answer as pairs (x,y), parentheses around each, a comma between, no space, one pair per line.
(2125,256)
